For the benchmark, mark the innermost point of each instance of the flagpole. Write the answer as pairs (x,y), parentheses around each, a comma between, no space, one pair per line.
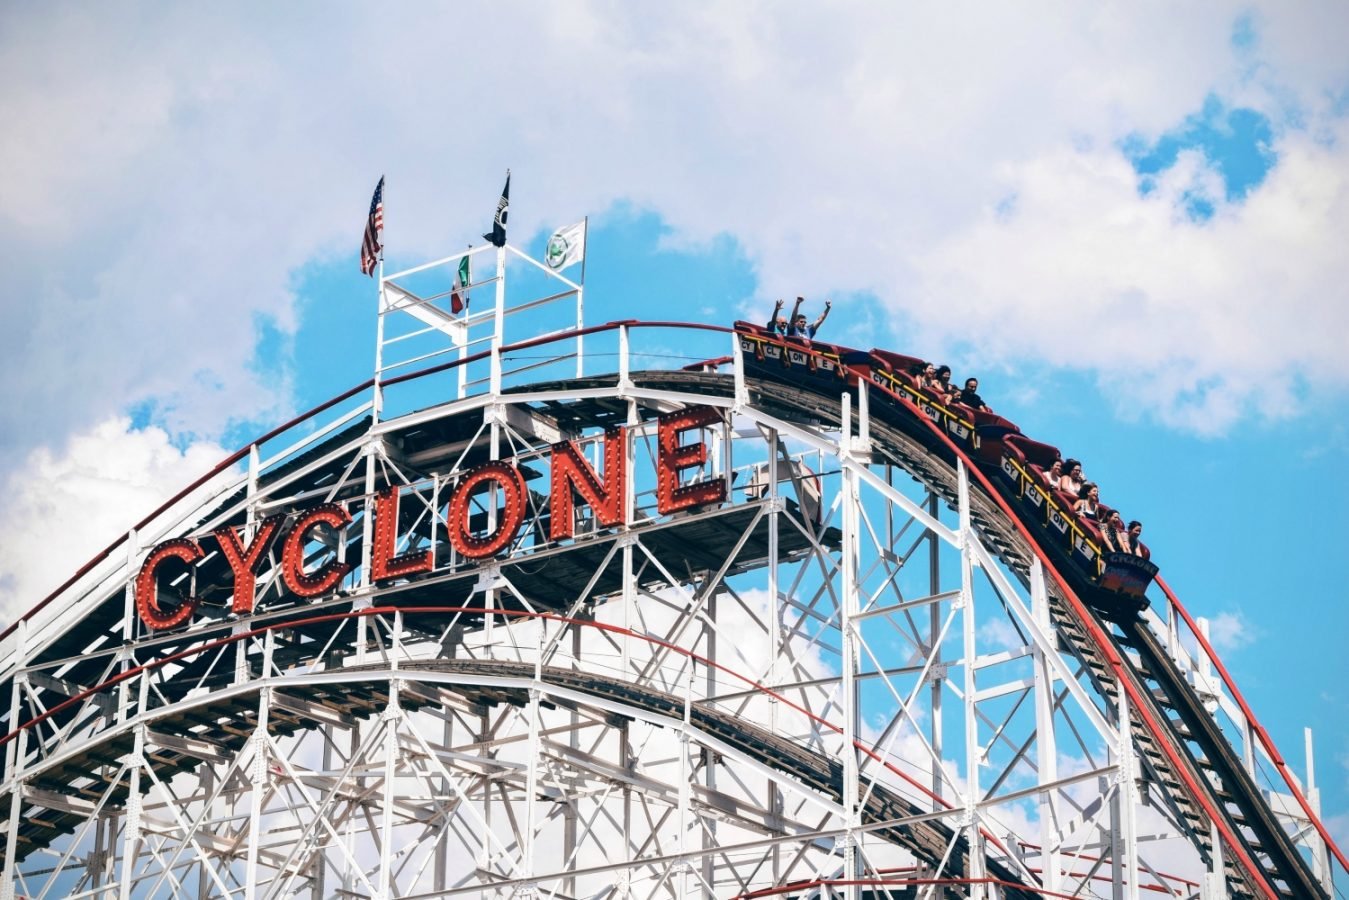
(376,410)
(377,401)
(499,323)
(463,346)
(580,300)
(585,241)
(498,239)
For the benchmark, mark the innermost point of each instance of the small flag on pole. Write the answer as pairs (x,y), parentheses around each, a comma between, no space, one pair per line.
(566,246)
(459,295)
(374,230)
(498,233)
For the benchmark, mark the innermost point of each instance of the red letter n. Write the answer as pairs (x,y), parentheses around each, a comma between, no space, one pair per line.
(571,473)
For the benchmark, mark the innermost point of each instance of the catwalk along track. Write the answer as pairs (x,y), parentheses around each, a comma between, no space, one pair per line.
(707,631)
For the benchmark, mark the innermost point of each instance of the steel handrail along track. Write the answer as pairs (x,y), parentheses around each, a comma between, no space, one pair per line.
(1015,551)
(1267,839)
(1263,737)
(1261,734)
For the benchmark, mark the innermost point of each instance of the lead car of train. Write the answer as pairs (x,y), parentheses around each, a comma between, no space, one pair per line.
(1114,583)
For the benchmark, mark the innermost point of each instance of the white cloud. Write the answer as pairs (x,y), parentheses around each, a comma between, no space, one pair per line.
(163,188)
(65,507)
(1201,322)
(1229,631)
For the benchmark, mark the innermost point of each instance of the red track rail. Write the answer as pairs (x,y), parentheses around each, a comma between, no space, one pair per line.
(1102,641)
(1259,730)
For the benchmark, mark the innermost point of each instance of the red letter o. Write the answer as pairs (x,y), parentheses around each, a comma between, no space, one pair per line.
(507,477)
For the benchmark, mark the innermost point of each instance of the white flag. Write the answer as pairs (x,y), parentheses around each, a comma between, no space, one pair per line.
(566,246)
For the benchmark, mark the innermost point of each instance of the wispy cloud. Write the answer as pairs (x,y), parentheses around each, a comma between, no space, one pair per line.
(1231,631)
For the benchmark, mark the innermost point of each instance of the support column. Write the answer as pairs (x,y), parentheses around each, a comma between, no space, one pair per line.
(531,791)
(1320,856)
(498,323)
(1215,880)
(372,449)
(207,783)
(852,857)
(773,630)
(494,414)
(629,514)
(381,309)
(683,867)
(1046,743)
(625,761)
(319,879)
(571,801)
(1124,828)
(938,668)
(15,752)
(131,834)
(483,737)
(709,759)
(393,715)
(978,891)
(258,776)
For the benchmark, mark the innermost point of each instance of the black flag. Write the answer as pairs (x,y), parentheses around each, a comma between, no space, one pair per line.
(498,234)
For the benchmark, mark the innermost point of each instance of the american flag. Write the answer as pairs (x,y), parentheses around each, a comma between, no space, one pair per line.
(374,229)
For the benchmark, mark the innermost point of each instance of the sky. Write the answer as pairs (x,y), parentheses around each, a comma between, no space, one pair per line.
(1124,218)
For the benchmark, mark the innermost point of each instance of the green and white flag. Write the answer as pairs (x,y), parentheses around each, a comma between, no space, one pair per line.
(459,295)
(566,246)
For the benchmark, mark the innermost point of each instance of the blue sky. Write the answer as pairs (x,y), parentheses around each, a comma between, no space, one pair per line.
(1133,235)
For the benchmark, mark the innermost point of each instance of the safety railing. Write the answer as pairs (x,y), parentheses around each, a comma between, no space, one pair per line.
(1188,642)
(611,351)
(507,367)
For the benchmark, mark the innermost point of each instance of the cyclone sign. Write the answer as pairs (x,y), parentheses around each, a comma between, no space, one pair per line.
(573,479)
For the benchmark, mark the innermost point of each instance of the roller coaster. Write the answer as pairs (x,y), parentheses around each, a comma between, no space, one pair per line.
(547,620)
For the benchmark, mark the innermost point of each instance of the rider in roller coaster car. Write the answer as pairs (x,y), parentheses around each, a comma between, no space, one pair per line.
(943,385)
(1054,474)
(1135,538)
(1115,535)
(1089,501)
(799,328)
(970,395)
(1072,480)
